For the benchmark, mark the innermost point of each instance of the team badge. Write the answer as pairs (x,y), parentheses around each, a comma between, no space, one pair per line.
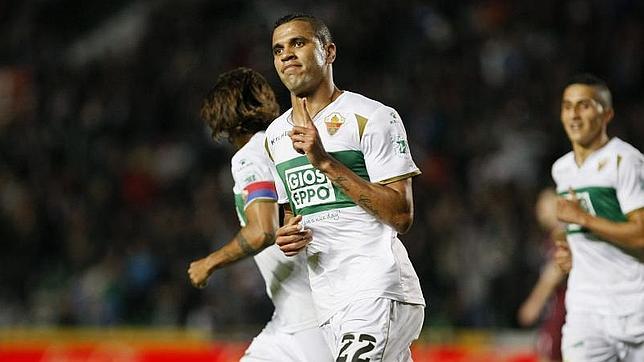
(333,123)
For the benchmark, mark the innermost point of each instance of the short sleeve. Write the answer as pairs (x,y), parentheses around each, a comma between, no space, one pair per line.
(630,182)
(254,180)
(385,147)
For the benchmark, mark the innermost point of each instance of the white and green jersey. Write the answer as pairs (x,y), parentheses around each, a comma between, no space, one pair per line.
(352,254)
(286,278)
(605,278)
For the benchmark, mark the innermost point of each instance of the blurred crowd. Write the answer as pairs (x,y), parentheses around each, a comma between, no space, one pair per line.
(110,184)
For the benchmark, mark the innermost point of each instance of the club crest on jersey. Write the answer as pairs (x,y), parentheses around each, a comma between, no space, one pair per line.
(333,122)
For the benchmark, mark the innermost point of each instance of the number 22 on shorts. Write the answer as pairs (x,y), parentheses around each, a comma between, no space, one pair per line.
(349,339)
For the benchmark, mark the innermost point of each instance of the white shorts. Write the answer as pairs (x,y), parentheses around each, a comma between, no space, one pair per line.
(597,338)
(272,345)
(378,329)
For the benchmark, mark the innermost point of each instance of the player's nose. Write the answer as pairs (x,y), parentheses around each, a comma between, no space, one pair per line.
(287,54)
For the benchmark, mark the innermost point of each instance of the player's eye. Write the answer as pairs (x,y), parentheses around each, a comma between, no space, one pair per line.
(277,51)
(299,43)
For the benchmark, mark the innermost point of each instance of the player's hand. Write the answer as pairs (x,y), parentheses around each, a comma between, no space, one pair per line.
(570,210)
(305,136)
(291,239)
(563,255)
(199,273)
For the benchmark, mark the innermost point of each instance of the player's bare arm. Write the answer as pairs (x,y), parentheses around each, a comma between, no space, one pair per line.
(549,279)
(391,203)
(258,233)
(629,234)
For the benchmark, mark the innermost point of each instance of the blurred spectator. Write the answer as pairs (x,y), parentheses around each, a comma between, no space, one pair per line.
(547,297)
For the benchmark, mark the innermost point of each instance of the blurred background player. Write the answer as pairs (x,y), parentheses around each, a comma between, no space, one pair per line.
(240,106)
(547,298)
(602,187)
(348,174)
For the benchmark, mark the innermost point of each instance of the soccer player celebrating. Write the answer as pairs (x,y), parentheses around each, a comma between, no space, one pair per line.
(241,105)
(601,183)
(347,170)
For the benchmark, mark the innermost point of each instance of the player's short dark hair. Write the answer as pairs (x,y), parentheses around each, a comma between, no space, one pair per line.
(594,81)
(319,27)
(241,102)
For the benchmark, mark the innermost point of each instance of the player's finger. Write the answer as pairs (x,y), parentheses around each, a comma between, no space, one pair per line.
(299,138)
(298,113)
(292,247)
(285,239)
(308,122)
(290,239)
(305,113)
(294,241)
(286,231)
(562,256)
(561,202)
(298,130)
(294,220)
(304,118)
(196,282)
(294,250)
(561,206)
(561,243)
(573,195)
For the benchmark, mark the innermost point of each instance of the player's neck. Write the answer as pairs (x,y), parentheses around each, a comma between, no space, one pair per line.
(321,98)
(582,152)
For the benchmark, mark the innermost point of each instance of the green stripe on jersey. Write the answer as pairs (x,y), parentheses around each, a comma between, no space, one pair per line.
(239,207)
(598,201)
(310,191)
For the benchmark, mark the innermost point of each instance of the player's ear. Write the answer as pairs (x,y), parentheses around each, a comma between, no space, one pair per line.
(329,50)
(609,113)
